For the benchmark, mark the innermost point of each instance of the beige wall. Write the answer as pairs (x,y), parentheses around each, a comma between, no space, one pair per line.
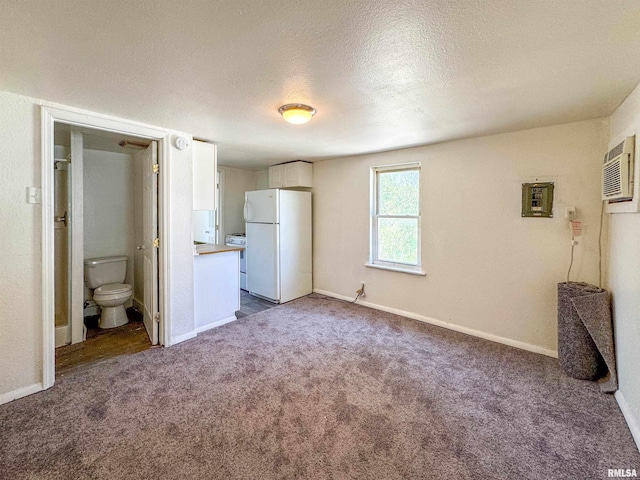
(21,273)
(109,206)
(489,271)
(236,182)
(262,179)
(624,273)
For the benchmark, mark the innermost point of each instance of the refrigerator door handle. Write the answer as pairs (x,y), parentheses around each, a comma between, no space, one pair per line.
(245,212)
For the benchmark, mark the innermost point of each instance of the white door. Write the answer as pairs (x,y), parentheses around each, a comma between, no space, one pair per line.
(261,206)
(218,228)
(263,275)
(75,212)
(149,246)
(202,229)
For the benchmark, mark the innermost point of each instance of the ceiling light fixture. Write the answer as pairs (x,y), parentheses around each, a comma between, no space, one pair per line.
(297,113)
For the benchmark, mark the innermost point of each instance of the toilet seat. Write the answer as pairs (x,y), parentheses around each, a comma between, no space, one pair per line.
(113,289)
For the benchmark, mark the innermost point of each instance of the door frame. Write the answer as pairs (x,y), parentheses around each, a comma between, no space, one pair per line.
(83,119)
(218,220)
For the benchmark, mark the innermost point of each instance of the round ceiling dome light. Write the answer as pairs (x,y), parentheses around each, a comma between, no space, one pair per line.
(297,113)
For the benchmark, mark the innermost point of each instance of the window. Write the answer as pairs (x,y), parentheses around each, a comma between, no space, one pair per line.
(395,218)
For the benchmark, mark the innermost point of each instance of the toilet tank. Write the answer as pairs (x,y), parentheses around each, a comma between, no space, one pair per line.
(104,270)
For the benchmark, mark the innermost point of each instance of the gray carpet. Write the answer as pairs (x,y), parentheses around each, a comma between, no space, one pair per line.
(595,313)
(585,334)
(318,389)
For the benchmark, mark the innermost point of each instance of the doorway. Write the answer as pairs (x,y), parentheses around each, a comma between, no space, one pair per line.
(72,226)
(105,207)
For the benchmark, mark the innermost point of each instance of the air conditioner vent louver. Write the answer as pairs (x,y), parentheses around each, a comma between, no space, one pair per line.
(611,184)
(614,152)
(617,171)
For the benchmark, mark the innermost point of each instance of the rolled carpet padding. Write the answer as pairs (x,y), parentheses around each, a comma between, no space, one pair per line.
(585,334)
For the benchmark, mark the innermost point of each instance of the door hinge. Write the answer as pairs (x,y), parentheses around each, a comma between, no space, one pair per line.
(156,242)
(156,317)
(156,168)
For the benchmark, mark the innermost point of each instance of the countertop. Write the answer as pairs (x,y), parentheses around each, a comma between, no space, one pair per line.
(207,248)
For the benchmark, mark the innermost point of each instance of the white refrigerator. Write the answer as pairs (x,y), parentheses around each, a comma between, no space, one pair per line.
(278,228)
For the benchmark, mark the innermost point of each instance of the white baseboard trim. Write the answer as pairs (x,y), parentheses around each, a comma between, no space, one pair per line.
(138,305)
(450,326)
(215,324)
(20,392)
(632,422)
(182,338)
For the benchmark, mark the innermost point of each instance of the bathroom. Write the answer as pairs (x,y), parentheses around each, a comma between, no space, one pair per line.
(110,192)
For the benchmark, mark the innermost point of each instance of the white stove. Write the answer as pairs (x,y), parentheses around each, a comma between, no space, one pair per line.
(235,239)
(239,240)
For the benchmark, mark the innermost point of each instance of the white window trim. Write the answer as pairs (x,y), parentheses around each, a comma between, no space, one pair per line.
(373,221)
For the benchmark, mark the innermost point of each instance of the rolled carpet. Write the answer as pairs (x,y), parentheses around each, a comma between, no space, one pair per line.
(585,334)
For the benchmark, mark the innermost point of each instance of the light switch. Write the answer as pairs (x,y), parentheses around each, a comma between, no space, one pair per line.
(34,195)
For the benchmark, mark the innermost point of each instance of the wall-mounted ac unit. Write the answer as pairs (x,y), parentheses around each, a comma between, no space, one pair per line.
(617,171)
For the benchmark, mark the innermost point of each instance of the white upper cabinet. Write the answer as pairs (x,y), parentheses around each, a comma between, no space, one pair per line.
(288,175)
(276,176)
(204,176)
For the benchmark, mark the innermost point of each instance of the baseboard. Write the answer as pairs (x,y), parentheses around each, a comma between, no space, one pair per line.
(138,306)
(450,326)
(632,422)
(20,392)
(215,324)
(182,338)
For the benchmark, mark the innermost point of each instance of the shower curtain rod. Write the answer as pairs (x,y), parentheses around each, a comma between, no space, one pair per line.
(125,143)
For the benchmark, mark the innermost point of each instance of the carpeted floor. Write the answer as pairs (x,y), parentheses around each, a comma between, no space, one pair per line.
(318,389)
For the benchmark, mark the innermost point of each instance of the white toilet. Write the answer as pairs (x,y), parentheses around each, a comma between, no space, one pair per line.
(106,275)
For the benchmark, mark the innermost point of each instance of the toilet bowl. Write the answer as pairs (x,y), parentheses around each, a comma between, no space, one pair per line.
(105,276)
(111,298)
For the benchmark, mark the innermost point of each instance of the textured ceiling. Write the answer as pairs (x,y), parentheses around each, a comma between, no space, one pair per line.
(382,74)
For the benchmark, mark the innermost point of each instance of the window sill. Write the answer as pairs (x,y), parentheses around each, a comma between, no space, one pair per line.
(396,269)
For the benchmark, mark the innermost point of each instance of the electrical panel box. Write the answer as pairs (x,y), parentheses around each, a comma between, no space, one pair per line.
(537,199)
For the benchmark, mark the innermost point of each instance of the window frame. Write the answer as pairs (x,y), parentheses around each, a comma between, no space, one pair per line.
(374,217)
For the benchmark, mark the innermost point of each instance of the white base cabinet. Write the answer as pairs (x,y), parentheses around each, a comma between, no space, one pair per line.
(216,289)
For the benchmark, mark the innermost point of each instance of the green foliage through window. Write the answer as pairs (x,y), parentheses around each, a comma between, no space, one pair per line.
(398,240)
(398,193)
(397,216)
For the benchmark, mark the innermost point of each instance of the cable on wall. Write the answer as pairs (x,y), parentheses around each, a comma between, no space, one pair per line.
(600,246)
(359,293)
(576,230)
(573,244)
